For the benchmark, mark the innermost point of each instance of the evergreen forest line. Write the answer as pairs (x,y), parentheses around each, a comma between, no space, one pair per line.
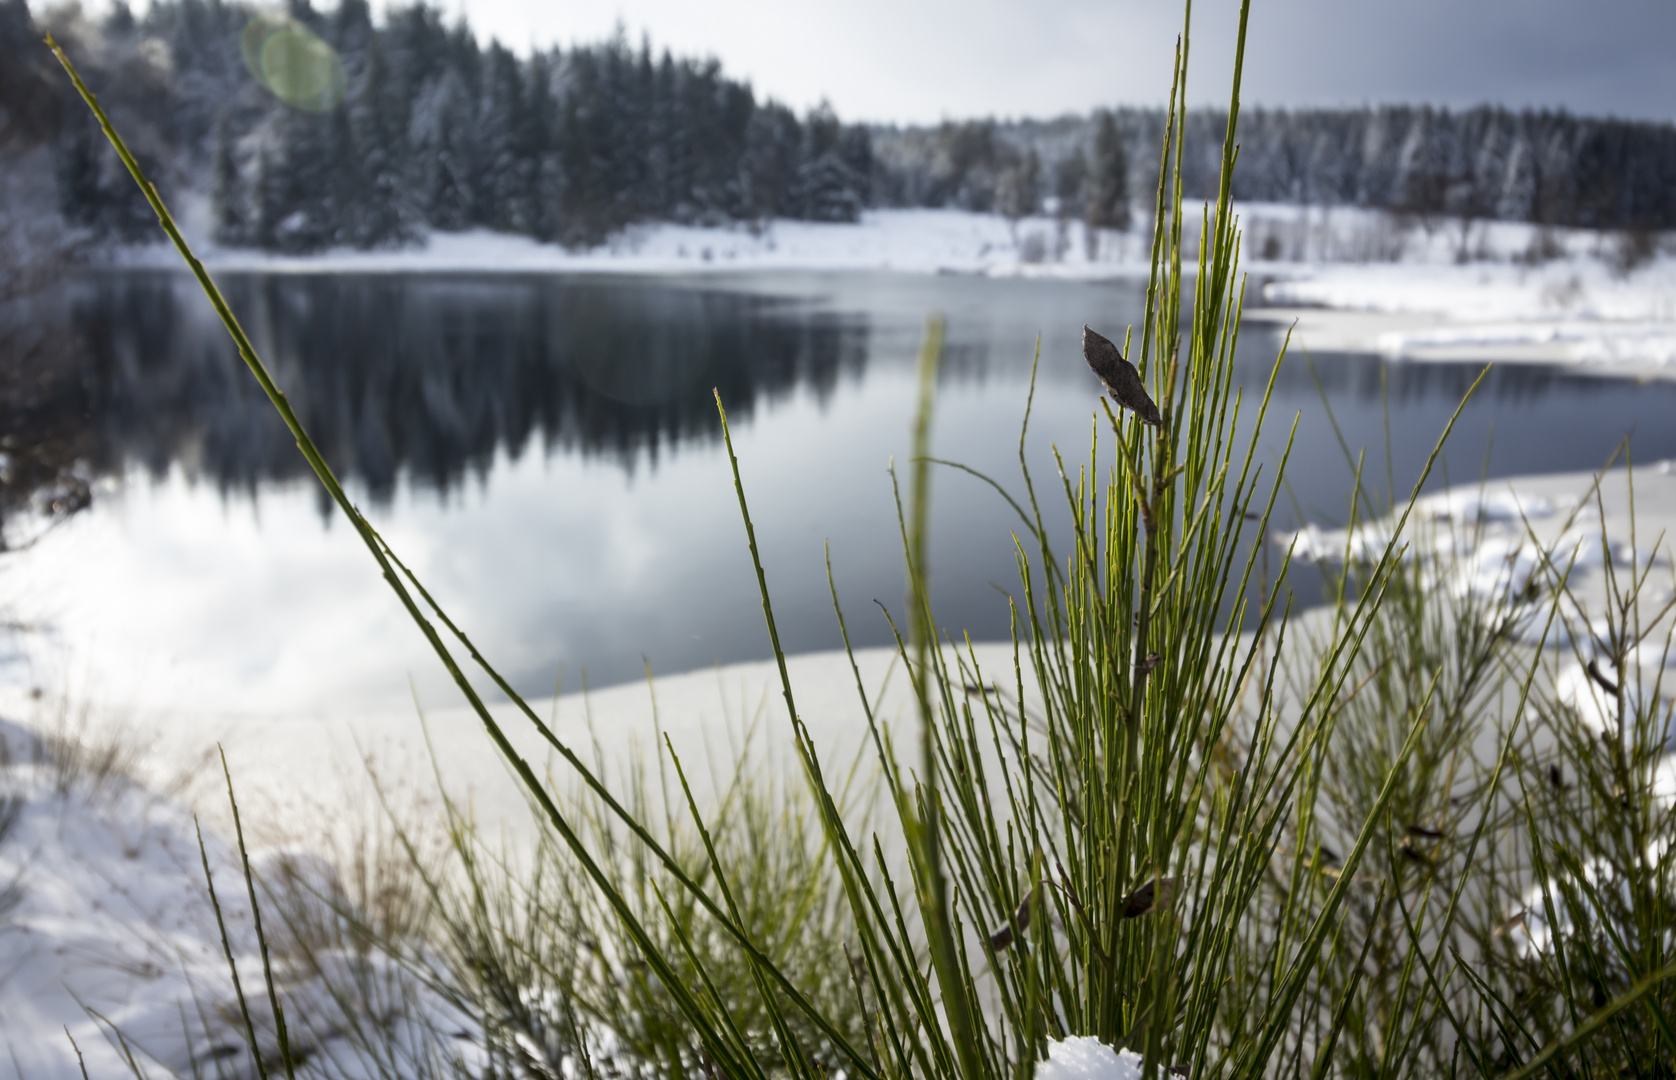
(435,131)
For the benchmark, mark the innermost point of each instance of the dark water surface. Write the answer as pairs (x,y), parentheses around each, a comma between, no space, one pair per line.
(547,448)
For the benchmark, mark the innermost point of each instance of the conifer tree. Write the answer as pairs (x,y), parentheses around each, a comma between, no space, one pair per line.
(1018,194)
(384,213)
(1070,183)
(227,193)
(1106,205)
(78,174)
(504,132)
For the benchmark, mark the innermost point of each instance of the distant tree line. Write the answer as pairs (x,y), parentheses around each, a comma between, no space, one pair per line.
(436,131)
(1546,167)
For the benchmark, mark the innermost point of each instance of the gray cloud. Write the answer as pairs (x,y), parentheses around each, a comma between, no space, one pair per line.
(920,60)
(1606,56)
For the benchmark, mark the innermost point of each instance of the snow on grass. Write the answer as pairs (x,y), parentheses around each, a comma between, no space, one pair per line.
(1514,540)
(1491,541)
(1087,1058)
(107,937)
(1645,692)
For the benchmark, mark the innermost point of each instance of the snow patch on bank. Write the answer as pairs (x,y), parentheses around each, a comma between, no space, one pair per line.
(1515,542)
(1490,291)
(1510,539)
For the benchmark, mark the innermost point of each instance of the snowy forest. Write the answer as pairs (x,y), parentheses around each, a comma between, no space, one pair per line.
(1485,163)
(430,129)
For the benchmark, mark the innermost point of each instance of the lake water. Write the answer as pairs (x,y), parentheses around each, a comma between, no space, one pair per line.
(545,452)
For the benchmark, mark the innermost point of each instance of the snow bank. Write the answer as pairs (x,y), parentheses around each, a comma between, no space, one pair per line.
(1581,301)
(1645,692)
(1512,541)
(1576,908)
(1586,342)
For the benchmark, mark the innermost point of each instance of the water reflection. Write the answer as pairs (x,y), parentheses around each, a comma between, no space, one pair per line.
(49,446)
(431,377)
(434,378)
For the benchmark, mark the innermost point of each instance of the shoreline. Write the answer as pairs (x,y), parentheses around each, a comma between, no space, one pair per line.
(1424,337)
(913,241)
(1578,307)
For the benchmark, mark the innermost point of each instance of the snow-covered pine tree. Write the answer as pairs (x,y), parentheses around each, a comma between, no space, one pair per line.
(1019,192)
(1423,166)
(228,205)
(78,173)
(827,189)
(29,100)
(541,116)
(443,145)
(1516,198)
(768,165)
(1106,202)
(855,146)
(385,212)
(1069,181)
(505,200)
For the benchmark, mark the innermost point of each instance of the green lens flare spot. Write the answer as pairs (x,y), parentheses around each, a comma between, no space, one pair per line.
(255,32)
(293,63)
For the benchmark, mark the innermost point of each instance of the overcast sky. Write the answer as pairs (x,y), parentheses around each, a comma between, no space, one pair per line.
(923,60)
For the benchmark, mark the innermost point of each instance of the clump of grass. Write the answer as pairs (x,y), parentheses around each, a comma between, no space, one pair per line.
(532,950)
(1512,841)
(1581,933)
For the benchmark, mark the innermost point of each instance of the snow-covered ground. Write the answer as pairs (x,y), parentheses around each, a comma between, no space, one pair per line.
(107,936)
(1369,281)
(1410,287)
(1494,541)
(908,241)
(109,945)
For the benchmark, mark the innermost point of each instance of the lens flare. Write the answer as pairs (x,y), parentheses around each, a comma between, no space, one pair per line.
(293,63)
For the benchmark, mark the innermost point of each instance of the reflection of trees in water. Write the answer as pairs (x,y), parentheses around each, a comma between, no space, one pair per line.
(49,452)
(435,377)
(46,454)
